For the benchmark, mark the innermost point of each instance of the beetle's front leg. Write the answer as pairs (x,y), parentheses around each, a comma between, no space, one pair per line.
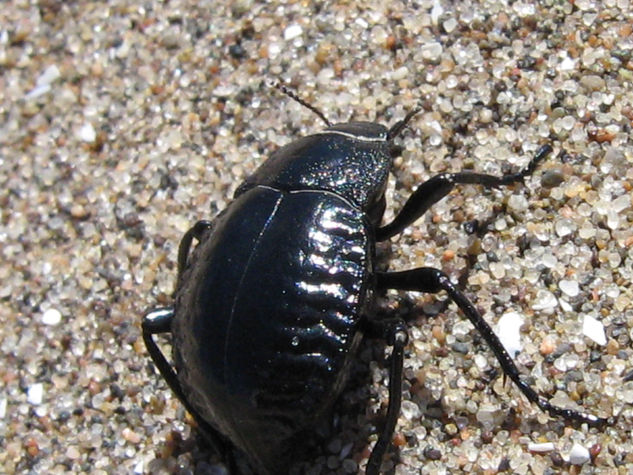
(197,231)
(394,331)
(436,188)
(427,279)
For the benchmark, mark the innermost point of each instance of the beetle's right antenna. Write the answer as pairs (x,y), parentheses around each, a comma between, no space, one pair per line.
(399,126)
(292,95)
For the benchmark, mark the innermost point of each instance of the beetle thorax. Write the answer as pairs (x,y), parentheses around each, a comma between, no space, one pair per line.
(352,160)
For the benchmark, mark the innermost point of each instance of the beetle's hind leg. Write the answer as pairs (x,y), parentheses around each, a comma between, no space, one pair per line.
(159,321)
(427,279)
(394,331)
(437,187)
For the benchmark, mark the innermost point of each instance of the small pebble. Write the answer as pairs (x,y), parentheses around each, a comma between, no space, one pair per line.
(38,91)
(432,50)
(72,452)
(552,178)
(334,446)
(50,75)
(594,329)
(489,415)
(595,450)
(449,25)
(498,270)
(44,81)
(79,211)
(508,331)
(32,447)
(592,82)
(410,410)
(545,300)
(400,73)
(131,436)
(293,31)
(518,203)
(579,455)
(548,346)
(399,440)
(432,453)
(567,64)
(485,116)
(438,333)
(569,287)
(87,133)
(345,450)
(52,316)
(350,466)
(35,394)
(540,447)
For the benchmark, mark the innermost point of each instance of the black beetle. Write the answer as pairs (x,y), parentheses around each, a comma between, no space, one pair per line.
(271,304)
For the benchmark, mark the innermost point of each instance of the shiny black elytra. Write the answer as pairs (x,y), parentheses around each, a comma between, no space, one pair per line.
(272,303)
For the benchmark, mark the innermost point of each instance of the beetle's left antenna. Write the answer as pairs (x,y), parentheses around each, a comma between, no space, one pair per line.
(292,95)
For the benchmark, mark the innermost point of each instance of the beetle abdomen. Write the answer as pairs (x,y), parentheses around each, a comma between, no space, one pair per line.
(317,301)
(267,316)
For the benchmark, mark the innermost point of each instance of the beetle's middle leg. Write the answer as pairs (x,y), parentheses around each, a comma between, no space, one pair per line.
(437,187)
(427,279)
(394,331)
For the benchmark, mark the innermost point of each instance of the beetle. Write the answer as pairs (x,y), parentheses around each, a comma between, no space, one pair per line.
(271,304)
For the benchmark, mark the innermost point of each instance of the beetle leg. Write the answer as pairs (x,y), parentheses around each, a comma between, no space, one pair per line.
(159,321)
(154,322)
(427,279)
(394,331)
(437,187)
(197,231)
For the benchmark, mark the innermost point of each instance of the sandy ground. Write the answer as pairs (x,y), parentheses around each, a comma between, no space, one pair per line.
(122,123)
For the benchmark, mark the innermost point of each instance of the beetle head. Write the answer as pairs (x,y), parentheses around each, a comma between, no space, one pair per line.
(352,160)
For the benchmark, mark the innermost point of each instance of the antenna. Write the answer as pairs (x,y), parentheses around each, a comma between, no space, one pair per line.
(399,126)
(292,95)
